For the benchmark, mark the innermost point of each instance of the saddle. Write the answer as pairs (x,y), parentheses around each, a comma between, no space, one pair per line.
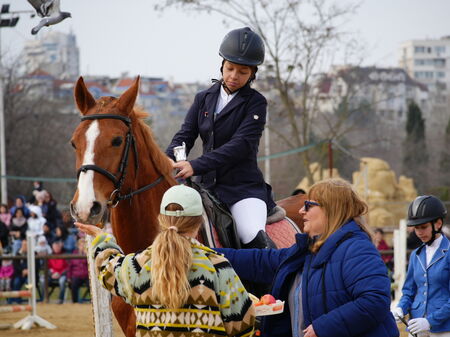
(219,221)
(219,228)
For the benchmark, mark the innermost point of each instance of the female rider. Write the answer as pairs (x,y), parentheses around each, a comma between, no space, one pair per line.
(230,118)
(426,292)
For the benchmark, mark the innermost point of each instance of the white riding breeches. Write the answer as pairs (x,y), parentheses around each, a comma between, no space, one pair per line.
(250,216)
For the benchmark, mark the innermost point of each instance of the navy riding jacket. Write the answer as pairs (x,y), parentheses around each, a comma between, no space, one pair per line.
(228,166)
(345,286)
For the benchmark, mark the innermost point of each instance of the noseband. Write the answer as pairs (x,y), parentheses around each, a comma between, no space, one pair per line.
(117,180)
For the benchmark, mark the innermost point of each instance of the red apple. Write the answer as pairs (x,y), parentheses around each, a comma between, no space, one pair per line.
(268,299)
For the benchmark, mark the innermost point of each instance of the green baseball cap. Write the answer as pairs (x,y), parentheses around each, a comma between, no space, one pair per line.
(188,198)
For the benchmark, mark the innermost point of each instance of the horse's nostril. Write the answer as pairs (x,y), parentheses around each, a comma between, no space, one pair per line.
(96,208)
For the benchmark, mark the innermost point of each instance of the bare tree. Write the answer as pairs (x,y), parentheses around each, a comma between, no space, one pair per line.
(37,137)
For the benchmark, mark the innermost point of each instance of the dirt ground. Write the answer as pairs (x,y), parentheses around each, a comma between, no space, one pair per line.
(74,320)
(70,319)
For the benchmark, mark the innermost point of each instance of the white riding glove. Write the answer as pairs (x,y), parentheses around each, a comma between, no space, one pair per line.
(417,325)
(397,313)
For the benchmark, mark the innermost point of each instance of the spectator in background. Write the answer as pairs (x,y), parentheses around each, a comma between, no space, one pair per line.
(6,274)
(42,249)
(19,203)
(58,270)
(77,273)
(67,220)
(5,216)
(36,221)
(50,211)
(381,245)
(37,187)
(4,236)
(49,234)
(18,229)
(69,240)
(20,275)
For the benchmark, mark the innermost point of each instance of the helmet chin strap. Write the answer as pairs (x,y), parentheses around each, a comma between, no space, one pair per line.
(228,90)
(433,233)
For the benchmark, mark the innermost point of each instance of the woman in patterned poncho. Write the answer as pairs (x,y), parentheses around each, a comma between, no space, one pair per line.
(177,286)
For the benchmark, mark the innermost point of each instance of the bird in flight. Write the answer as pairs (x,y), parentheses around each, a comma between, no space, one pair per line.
(49,11)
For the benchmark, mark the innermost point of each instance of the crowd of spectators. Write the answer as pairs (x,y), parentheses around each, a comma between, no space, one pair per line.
(55,234)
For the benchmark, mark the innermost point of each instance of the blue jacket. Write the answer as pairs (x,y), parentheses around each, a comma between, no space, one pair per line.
(426,292)
(228,166)
(273,266)
(354,300)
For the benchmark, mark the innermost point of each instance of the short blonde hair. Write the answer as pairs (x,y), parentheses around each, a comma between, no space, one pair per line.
(340,203)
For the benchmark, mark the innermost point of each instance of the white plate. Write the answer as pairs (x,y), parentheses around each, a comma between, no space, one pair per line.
(267,309)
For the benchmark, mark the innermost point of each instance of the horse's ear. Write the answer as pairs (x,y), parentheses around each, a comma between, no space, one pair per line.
(83,97)
(128,98)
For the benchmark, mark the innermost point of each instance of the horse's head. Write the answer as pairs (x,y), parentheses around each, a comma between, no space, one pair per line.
(103,142)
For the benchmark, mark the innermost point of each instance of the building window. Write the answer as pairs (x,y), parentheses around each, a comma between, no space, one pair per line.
(419,62)
(419,49)
(439,49)
(440,74)
(439,62)
(423,74)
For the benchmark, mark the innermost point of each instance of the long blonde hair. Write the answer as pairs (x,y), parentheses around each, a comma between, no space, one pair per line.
(340,203)
(172,259)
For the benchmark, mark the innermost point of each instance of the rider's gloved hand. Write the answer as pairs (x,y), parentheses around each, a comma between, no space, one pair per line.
(397,313)
(417,325)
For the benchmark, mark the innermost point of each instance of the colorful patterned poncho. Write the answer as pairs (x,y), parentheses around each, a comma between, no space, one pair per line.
(218,304)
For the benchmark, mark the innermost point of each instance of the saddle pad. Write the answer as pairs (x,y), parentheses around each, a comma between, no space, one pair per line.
(283,232)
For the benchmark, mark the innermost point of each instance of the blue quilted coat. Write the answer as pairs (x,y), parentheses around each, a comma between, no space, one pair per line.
(345,286)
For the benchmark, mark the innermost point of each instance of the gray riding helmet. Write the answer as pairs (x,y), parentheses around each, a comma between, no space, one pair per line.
(243,46)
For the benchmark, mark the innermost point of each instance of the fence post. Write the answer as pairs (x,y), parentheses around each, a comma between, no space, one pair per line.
(399,258)
(32,319)
(101,298)
(46,280)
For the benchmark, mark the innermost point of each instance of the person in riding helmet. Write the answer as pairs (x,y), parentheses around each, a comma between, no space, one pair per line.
(426,292)
(230,118)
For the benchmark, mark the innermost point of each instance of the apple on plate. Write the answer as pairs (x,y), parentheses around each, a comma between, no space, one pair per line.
(268,299)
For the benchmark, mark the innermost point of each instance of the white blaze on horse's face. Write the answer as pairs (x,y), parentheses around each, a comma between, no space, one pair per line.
(86,193)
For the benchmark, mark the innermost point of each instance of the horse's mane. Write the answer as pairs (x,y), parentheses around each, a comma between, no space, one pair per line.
(159,158)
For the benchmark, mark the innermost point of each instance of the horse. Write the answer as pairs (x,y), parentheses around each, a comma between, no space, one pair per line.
(120,168)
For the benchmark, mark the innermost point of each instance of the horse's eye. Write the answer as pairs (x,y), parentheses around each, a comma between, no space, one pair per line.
(73,145)
(117,141)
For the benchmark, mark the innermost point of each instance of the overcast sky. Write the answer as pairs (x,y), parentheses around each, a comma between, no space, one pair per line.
(115,36)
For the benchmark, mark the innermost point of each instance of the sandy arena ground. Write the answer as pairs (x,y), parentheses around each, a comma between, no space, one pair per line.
(70,319)
(74,320)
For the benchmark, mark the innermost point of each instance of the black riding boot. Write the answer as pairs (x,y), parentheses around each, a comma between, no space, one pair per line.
(262,240)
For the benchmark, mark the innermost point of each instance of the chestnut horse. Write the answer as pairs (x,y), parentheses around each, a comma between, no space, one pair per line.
(120,167)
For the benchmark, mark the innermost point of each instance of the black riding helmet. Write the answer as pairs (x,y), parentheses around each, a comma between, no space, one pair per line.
(243,46)
(424,209)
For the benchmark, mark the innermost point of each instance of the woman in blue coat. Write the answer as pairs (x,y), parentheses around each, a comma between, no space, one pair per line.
(230,118)
(333,279)
(426,292)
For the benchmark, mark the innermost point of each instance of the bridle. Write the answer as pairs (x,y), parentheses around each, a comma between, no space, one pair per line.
(116,196)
